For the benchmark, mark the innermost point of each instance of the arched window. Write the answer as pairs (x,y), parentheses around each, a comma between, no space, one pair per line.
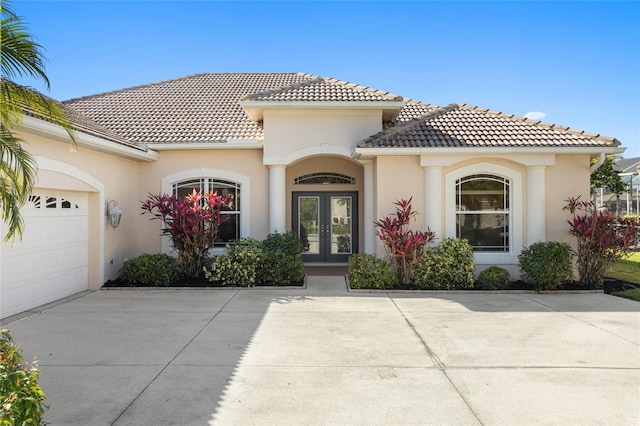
(230,228)
(324,178)
(483,209)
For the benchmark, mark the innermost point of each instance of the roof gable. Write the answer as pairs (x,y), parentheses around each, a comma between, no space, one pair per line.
(323,93)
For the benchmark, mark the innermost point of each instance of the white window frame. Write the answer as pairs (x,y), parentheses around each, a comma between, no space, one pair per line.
(224,175)
(516,223)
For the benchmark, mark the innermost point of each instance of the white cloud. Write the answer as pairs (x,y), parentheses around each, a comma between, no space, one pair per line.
(535,115)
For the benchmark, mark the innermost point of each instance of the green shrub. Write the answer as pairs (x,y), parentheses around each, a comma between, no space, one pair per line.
(21,398)
(282,262)
(277,260)
(448,266)
(240,266)
(546,265)
(493,278)
(151,270)
(367,271)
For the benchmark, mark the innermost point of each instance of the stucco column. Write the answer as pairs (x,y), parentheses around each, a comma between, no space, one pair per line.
(536,207)
(277,198)
(367,227)
(433,200)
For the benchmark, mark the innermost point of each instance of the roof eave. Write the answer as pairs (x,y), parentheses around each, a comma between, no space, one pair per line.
(54,131)
(255,109)
(190,146)
(370,153)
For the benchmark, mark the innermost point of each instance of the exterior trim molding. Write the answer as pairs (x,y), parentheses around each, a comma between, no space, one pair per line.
(524,159)
(322,149)
(368,153)
(188,146)
(255,109)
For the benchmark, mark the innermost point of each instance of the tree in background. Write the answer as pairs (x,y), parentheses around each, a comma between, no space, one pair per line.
(21,56)
(606,176)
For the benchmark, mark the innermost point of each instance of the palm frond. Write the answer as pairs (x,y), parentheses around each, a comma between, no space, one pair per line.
(17,99)
(17,176)
(21,55)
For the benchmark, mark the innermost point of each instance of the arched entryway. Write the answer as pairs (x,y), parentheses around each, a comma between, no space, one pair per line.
(325,207)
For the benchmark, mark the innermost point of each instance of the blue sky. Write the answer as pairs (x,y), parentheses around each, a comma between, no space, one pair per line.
(575,63)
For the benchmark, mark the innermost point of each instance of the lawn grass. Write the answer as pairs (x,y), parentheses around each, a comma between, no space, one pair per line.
(627,269)
(633,294)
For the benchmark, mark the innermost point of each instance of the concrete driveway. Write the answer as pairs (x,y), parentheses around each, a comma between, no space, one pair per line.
(326,356)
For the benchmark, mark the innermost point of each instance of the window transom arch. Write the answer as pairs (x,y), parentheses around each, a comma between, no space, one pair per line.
(324,178)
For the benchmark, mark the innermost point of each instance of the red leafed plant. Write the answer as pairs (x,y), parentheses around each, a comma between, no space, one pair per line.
(603,238)
(192,223)
(403,245)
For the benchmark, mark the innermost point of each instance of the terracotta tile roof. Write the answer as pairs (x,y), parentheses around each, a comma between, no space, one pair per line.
(197,108)
(83,124)
(460,125)
(412,109)
(206,107)
(323,90)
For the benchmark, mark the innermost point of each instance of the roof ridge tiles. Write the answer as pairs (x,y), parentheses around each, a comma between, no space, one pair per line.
(170,80)
(328,80)
(313,80)
(362,88)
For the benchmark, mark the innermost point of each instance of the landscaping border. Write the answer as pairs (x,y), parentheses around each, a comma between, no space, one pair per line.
(257,287)
(435,292)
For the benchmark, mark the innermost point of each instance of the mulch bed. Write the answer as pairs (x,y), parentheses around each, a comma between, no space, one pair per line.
(610,285)
(197,282)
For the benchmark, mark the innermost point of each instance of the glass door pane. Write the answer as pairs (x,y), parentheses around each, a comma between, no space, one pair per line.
(309,224)
(341,223)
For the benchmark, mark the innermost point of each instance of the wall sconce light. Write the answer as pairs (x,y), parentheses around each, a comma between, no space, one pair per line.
(113,213)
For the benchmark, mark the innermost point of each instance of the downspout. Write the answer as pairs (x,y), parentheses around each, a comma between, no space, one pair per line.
(598,163)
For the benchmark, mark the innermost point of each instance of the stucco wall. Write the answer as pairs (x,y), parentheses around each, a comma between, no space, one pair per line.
(292,134)
(398,177)
(568,178)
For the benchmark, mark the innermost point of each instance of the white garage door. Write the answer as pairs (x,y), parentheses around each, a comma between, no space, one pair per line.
(51,261)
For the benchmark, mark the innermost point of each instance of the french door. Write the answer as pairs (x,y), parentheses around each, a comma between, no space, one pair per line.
(327,225)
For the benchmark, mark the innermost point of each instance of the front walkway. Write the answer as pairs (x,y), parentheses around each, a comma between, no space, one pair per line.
(325,356)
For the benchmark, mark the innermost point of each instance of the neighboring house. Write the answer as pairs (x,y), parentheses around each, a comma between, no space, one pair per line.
(294,151)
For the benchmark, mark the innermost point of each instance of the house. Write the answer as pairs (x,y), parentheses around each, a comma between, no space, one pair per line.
(293,151)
